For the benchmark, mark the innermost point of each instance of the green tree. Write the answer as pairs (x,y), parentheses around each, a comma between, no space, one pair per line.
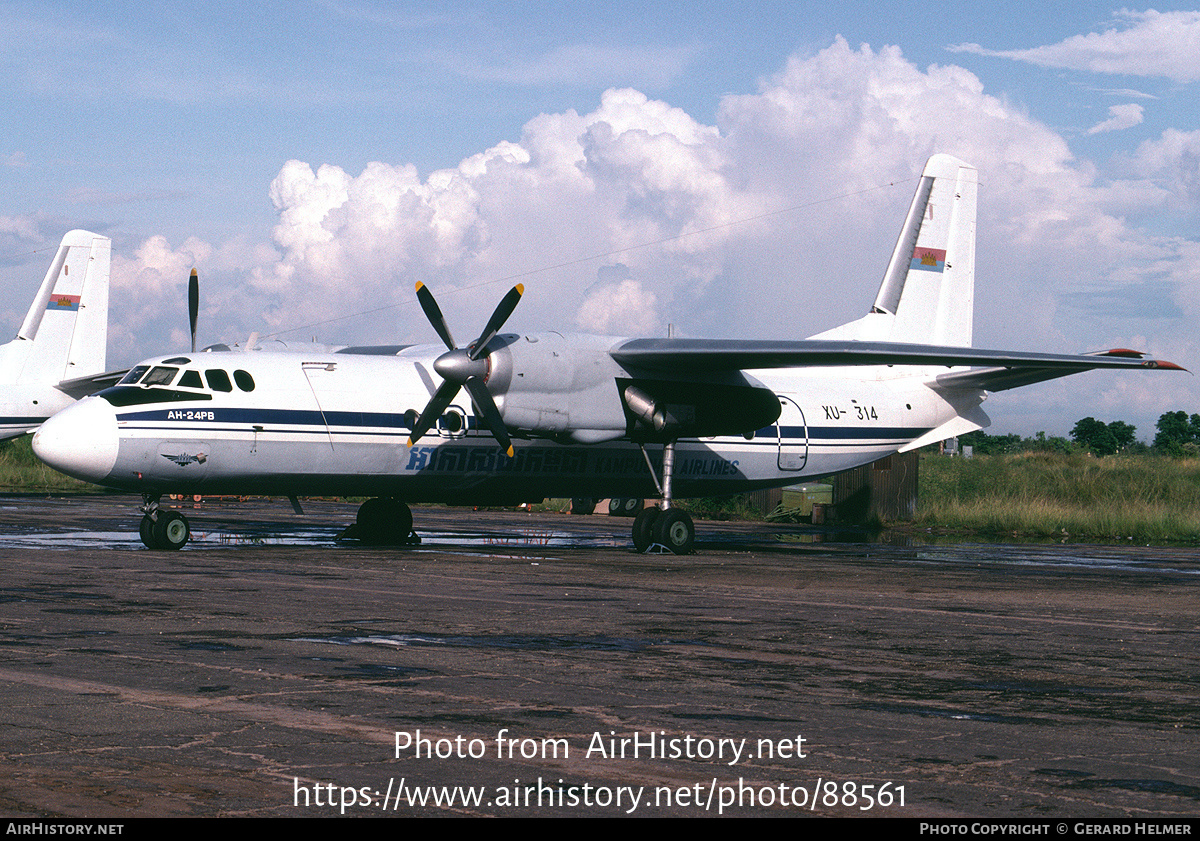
(1175,429)
(1123,433)
(1095,435)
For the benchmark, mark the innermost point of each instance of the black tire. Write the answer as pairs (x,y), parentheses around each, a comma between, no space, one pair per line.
(582,505)
(643,528)
(146,531)
(633,506)
(383,520)
(170,531)
(674,529)
(615,506)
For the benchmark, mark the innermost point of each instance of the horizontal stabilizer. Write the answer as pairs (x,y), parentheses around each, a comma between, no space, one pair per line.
(969,420)
(80,387)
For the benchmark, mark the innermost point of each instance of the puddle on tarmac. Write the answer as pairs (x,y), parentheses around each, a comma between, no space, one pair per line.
(505,641)
(1100,558)
(271,535)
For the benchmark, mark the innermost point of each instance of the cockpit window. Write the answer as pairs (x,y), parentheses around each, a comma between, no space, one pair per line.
(134,375)
(218,380)
(160,375)
(243,379)
(190,379)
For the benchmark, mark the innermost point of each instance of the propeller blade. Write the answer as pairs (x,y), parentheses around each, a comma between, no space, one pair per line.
(503,310)
(434,313)
(433,410)
(463,368)
(193,304)
(477,388)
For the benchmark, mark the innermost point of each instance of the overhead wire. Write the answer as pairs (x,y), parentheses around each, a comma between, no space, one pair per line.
(603,256)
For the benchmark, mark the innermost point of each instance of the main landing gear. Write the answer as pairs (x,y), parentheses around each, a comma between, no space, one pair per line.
(383,521)
(164,530)
(664,526)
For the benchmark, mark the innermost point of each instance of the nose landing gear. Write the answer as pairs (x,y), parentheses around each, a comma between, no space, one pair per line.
(162,530)
(383,521)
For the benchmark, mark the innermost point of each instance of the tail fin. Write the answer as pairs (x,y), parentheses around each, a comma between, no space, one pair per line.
(928,292)
(65,334)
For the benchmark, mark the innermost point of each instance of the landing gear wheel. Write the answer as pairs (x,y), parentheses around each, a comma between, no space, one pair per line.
(146,531)
(582,505)
(623,506)
(170,530)
(383,520)
(643,528)
(674,529)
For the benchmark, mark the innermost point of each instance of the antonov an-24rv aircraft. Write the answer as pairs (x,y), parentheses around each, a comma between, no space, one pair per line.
(512,418)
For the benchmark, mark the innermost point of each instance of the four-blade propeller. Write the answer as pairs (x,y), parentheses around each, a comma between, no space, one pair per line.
(465,368)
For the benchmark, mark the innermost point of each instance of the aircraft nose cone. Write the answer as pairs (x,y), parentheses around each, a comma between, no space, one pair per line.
(81,440)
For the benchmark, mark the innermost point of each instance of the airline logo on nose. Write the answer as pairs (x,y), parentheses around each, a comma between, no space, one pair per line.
(184,459)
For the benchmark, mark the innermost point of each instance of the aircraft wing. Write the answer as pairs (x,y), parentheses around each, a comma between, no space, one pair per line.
(996,369)
(83,386)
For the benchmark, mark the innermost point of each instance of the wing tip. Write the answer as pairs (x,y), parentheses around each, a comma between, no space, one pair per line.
(1126,353)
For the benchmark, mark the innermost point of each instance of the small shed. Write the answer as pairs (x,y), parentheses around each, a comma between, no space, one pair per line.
(886,489)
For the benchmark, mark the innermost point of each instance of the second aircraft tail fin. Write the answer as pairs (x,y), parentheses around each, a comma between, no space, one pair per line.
(65,334)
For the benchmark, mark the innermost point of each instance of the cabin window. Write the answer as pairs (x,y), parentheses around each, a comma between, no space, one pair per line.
(218,380)
(190,379)
(134,375)
(243,379)
(160,375)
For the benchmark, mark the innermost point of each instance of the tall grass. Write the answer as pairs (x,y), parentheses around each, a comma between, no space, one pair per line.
(1144,498)
(20,470)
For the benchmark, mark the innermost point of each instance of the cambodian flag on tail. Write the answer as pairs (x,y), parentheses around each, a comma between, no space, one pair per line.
(928,259)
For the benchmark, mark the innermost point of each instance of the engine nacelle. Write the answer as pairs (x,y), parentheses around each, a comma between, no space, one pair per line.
(552,385)
(569,387)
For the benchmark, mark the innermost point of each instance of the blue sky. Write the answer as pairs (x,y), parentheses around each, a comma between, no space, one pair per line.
(315,159)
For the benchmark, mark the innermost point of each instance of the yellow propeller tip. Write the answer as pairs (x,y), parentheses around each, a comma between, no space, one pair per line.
(520,289)
(511,451)
(193,273)
(419,285)
(408,443)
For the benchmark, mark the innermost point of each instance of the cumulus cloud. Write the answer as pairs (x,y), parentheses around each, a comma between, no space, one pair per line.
(618,304)
(1172,160)
(775,221)
(1120,117)
(1150,43)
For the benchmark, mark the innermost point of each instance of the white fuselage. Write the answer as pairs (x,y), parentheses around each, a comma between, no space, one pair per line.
(24,405)
(338,424)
